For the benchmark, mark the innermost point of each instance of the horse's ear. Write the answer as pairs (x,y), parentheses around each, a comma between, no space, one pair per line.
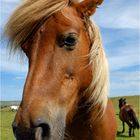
(87,7)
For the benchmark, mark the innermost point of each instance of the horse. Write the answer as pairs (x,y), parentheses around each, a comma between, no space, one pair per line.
(128,115)
(65,96)
(14,108)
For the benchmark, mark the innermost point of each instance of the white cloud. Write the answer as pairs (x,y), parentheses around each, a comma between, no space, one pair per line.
(20,78)
(118,14)
(126,75)
(12,63)
(125,56)
(10,1)
(7,8)
(125,83)
(121,61)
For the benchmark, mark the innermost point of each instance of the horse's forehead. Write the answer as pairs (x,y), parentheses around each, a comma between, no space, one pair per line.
(70,12)
(69,17)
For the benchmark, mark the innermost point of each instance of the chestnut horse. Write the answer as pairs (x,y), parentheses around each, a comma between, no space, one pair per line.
(66,91)
(128,115)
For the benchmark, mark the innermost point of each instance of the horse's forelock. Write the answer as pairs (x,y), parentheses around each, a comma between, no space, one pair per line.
(28,17)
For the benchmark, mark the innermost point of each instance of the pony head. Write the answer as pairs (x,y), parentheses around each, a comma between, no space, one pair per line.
(67,64)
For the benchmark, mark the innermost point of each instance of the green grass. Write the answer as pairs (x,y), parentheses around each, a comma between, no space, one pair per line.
(7,117)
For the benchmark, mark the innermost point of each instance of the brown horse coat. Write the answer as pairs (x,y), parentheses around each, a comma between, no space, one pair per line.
(124,116)
(102,129)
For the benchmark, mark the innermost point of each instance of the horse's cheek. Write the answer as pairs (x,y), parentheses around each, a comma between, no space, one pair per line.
(69,91)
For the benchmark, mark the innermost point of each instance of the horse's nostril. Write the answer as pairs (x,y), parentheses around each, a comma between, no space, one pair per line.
(43,130)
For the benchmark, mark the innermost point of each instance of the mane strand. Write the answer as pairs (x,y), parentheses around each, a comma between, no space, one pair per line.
(98,88)
(27,18)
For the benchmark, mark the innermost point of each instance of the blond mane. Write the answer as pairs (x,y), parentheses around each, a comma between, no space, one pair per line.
(99,86)
(29,16)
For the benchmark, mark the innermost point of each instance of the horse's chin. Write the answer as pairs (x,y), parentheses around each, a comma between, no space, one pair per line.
(58,131)
(57,136)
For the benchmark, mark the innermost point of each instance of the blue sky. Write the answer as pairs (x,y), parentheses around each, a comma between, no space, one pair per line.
(119,24)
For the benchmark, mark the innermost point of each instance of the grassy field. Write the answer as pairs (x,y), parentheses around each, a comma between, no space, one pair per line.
(7,117)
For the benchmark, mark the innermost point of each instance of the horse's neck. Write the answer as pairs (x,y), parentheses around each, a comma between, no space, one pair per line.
(79,128)
(124,106)
(85,127)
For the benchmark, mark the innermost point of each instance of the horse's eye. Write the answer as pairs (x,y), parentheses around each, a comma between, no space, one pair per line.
(68,42)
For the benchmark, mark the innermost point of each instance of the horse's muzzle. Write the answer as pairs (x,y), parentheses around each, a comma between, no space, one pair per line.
(40,132)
